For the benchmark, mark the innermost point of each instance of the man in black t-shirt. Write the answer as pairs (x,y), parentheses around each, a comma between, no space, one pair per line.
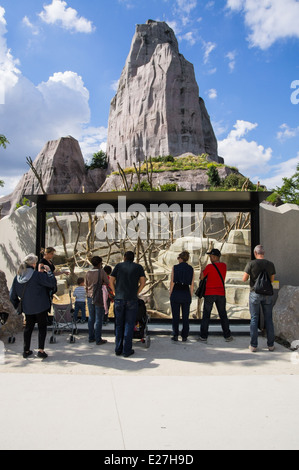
(257,301)
(126,281)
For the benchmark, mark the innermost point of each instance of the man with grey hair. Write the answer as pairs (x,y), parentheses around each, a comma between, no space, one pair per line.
(257,301)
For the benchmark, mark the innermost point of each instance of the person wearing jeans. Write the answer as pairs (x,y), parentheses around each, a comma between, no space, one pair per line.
(95,277)
(220,302)
(125,312)
(257,301)
(126,281)
(95,322)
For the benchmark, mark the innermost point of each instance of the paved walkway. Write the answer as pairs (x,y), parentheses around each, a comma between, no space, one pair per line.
(172,396)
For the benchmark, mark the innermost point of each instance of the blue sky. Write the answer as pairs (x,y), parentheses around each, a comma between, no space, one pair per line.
(60,62)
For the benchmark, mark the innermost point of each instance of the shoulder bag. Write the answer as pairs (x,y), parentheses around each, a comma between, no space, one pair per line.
(201,290)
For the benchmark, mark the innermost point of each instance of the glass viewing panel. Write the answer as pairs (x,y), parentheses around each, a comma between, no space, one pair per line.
(156,236)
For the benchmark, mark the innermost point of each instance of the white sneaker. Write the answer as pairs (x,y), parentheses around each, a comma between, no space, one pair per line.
(252,349)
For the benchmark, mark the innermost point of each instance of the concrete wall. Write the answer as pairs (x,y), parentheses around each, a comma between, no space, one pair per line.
(17,239)
(279,235)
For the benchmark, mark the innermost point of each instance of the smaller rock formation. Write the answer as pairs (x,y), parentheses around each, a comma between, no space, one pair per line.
(62,167)
(286,314)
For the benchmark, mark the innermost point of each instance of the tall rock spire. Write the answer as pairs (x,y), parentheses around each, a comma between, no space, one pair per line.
(157,109)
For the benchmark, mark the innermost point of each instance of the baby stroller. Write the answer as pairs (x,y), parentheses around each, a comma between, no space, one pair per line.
(63,320)
(141,326)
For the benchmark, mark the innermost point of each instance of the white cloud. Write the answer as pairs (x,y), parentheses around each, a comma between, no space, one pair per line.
(10,184)
(284,169)
(175,26)
(32,115)
(231,56)
(268,20)
(208,48)
(183,9)
(254,160)
(58,13)
(26,22)
(249,157)
(114,85)
(189,37)
(287,132)
(212,93)
(186,6)
(127,3)
(93,140)
(9,73)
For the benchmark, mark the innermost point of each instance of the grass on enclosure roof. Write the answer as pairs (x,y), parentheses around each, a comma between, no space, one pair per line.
(160,164)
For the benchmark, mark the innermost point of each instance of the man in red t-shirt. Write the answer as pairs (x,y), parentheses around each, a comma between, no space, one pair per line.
(215,293)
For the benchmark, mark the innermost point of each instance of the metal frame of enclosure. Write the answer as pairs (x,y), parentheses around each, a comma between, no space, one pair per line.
(213,201)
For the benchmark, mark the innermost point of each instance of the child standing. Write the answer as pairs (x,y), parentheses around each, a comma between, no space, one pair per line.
(80,303)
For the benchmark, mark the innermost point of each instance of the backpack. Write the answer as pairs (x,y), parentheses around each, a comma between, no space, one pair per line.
(263,284)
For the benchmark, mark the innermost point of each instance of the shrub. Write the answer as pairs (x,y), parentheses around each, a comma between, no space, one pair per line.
(214,178)
(236,181)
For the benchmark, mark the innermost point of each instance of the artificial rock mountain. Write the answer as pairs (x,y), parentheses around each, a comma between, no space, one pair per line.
(157,109)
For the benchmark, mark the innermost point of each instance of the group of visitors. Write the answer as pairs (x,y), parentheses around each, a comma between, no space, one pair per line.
(182,286)
(35,283)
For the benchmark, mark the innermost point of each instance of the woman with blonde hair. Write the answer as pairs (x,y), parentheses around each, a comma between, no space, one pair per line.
(32,287)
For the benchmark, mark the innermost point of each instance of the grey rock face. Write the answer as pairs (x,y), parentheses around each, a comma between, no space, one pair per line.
(157,109)
(190,180)
(286,314)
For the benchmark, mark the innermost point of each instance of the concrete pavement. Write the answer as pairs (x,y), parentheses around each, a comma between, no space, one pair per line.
(172,396)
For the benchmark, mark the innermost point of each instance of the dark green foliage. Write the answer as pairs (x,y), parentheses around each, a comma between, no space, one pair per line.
(99,160)
(289,191)
(214,178)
